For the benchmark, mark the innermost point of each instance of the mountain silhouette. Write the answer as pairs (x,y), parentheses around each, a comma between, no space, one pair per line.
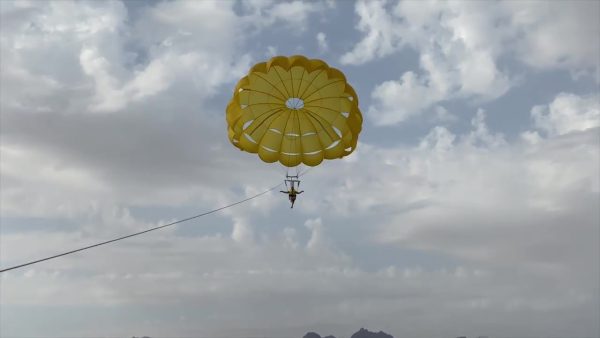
(316,335)
(362,333)
(312,335)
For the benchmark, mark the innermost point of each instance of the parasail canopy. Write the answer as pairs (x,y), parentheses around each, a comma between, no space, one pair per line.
(294,110)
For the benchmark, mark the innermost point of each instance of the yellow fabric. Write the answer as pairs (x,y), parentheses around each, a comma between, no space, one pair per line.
(326,127)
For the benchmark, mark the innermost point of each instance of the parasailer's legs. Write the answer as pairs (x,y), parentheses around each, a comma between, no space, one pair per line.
(292,199)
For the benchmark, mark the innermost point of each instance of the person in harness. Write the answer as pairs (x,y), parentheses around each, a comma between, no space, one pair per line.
(292,193)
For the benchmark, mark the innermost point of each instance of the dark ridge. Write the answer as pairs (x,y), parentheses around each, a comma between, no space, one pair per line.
(312,335)
(364,333)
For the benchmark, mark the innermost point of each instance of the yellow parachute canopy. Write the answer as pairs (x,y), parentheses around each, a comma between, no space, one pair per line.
(294,110)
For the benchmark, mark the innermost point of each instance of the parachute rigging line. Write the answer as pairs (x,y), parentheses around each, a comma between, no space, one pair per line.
(141,232)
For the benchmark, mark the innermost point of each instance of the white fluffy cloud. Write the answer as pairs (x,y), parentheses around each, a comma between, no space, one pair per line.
(398,100)
(381,33)
(568,113)
(460,44)
(119,61)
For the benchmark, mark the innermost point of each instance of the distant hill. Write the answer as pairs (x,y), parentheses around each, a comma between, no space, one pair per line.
(362,333)
(312,335)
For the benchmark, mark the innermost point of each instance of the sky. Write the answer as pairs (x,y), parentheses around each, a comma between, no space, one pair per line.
(470,206)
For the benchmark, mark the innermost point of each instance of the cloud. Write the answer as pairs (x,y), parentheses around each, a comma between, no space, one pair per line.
(495,204)
(322,42)
(460,52)
(395,101)
(442,115)
(120,61)
(145,71)
(503,210)
(381,34)
(531,30)
(502,206)
(271,51)
(567,113)
(556,35)
(439,138)
(109,97)
(242,232)
(294,15)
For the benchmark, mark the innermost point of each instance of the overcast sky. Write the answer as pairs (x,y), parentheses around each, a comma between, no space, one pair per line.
(470,206)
